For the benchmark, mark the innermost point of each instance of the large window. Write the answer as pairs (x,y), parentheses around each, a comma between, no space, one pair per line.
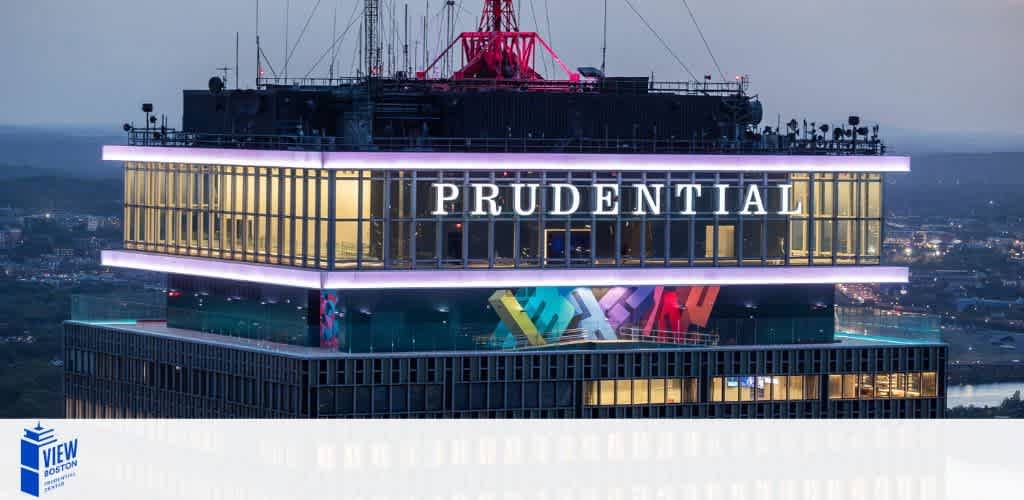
(899,385)
(765,388)
(657,391)
(332,219)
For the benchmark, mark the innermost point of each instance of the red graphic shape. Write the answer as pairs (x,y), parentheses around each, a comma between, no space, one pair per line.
(675,310)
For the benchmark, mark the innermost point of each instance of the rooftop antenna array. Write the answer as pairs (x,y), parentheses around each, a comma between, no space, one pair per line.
(371,19)
(498,50)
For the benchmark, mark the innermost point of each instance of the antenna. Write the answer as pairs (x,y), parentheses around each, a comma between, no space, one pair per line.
(236,62)
(448,61)
(373,55)
(287,11)
(604,41)
(426,25)
(392,56)
(259,69)
(405,42)
(334,51)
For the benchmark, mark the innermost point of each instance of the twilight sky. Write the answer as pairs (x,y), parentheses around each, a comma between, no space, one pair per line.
(929,66)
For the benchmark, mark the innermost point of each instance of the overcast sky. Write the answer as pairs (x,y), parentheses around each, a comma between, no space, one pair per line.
(918,65)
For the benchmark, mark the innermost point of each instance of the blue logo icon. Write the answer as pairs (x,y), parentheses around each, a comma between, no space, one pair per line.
(46,462)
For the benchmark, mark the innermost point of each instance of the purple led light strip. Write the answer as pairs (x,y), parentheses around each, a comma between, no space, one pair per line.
(509,161)
(491,278)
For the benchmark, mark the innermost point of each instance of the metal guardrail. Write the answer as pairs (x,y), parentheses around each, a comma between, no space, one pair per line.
(635,334)
(607,85)
(625,334)
(781,145)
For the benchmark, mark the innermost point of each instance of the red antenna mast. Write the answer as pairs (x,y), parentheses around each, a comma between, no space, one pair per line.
(497,50)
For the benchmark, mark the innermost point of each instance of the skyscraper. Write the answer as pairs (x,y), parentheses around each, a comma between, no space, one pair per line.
(498,245)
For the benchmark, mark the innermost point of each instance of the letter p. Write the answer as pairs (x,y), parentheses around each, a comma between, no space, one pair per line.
(443,192)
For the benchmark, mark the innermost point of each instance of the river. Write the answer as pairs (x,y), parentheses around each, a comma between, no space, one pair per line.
(981,394)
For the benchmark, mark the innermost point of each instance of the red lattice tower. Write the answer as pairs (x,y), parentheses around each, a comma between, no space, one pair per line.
(498,50)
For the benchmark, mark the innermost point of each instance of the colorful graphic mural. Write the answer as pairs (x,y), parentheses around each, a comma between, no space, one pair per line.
(330,327)
(541,316)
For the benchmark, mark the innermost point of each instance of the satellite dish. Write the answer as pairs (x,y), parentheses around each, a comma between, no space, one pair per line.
(126,127)
(823,128)
(216,85)
(853,121)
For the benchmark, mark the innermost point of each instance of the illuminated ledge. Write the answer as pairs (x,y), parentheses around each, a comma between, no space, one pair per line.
(509,161)
(504,278)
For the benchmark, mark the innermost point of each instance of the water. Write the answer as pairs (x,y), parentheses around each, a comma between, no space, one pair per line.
(981,394)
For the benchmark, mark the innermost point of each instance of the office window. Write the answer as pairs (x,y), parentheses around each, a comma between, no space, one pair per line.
(823,241)
(752,238)
(824,195)
(845,241)
(640,391)
(900,385)
(679,242)
(764,388)
(775,242)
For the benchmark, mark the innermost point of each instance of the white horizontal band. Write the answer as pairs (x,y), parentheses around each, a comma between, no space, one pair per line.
(534,162)
(500,278)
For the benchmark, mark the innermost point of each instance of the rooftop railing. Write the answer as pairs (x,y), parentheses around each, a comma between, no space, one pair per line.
(629,334)
(634,334)
(772,144)
(606,86)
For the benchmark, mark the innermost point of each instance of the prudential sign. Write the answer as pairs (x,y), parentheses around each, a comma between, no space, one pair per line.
(47,463)
(483,199)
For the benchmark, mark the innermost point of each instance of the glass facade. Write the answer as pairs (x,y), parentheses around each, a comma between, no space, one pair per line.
(640,392)
(762,388)
(378,219)
(488,319)
(883,385)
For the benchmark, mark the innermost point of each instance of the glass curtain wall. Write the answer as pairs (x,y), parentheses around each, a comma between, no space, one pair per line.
(385,219)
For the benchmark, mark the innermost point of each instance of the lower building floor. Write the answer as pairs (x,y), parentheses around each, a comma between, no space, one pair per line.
(147,370)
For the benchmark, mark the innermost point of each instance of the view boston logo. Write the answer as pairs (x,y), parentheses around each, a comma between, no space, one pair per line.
(46,462)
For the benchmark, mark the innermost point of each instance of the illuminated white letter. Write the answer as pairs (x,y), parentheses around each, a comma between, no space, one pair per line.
(753,198)
(480,198)
(606,195)
(573,206)
(784,210)
(721,199)
(644,199)
(517,199)
(688,201)
(443,192)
